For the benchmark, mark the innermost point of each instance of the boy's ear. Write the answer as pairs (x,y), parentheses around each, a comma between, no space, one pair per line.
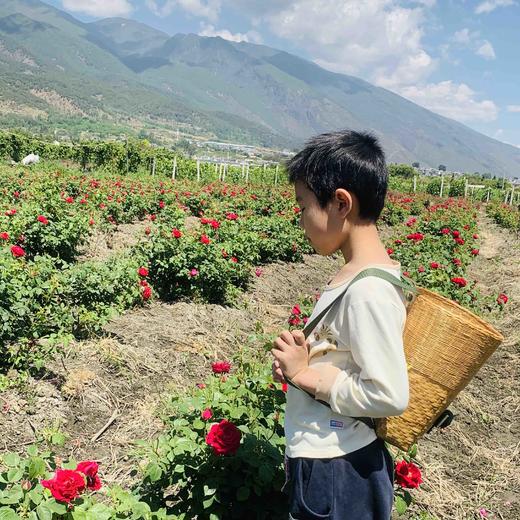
(344,199)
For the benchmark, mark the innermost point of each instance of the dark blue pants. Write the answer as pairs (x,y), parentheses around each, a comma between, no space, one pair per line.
(357,486)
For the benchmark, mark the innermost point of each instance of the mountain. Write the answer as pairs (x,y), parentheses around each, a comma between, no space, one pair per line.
(118,76)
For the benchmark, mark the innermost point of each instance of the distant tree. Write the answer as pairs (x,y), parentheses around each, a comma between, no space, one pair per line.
(442,168)
(401,170)
(416,165)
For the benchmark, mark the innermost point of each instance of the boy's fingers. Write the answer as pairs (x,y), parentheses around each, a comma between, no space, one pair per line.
(299,337)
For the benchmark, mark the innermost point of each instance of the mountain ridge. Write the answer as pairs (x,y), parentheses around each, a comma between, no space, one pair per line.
(125,75)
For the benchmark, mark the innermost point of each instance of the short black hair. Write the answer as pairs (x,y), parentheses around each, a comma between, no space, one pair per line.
(344,159)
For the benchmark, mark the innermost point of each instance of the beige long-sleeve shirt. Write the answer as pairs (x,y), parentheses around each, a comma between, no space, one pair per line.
(358,350)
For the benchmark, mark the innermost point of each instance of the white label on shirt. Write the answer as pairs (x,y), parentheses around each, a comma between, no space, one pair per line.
(337,425)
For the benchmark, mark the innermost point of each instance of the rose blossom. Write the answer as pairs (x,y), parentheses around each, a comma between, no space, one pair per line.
(205,239)
(143,271)
(475,252)
(89,468)
(176,233)
(258,271)
(220,367)
(434,265)
(502,299)
(17,251)
(207,414)
(407,475)
(461,282)
(194,272)
(43,220)
(4,236)
(224,438)
(147,293)
(66,485)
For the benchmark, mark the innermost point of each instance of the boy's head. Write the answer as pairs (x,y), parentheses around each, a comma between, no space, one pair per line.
(339,176)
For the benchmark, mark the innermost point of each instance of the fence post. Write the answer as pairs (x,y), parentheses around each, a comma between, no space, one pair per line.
(174,169)
(442,183)
(466,188)
(153,166)
(414,183)
(224,172)
(247,173)
(487,198)
(512,195)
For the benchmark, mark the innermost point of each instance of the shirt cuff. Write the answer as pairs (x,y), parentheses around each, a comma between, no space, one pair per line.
(327,376)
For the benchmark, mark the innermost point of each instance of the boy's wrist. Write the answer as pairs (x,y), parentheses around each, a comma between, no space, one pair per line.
(307,379)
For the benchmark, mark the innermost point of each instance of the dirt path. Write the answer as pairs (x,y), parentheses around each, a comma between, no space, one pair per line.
(474,463)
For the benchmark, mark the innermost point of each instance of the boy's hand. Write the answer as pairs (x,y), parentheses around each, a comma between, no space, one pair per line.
(277,372)
(291,351)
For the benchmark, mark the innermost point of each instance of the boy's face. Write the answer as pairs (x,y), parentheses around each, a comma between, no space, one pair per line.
(323,227)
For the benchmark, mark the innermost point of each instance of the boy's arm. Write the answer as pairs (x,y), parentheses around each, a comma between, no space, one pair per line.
(375,337)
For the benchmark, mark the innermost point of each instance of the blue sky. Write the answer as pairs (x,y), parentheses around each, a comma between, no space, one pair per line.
(458,58)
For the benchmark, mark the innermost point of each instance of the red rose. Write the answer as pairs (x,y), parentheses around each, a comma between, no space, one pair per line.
(502,298)
(69,200)
(456,261)
(66,485)
(205,239)
(207,414)
(461,282)
(389,251)
(398,242)
(234,259)
(147,293)
(459,241)
(296,309)
(294,320)
(147,231)
(224,438)
(194,272)
(215,224)
(421,269)
(456,234)
(475,236)
(142,271)
(231,216)
(161,204)
(407,475)
(284,387)
(220,367)
(43,220)
(445,231)
(474,252)
(4,236)
(434,265)
(89,468)
(17,251)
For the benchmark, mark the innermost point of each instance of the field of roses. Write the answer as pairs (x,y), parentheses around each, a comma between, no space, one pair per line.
(221,453)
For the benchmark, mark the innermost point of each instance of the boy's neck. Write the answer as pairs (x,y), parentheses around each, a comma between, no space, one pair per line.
(363,245)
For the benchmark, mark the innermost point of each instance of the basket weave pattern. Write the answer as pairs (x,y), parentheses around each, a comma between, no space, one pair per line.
(445,345)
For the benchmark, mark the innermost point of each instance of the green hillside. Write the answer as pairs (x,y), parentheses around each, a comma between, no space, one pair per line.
(116,76)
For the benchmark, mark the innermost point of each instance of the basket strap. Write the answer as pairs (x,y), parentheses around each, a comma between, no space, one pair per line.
(407,286)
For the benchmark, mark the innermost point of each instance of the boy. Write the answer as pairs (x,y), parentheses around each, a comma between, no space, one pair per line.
(354,360)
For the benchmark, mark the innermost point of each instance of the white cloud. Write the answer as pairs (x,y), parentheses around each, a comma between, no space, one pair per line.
(99,8)
(513,108)
(491,5)
(486,51)
(209,9)
(464,36)
(250,36)
(335,34)
(453,100)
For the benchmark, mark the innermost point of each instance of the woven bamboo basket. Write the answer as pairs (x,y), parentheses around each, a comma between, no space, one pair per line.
(445,345)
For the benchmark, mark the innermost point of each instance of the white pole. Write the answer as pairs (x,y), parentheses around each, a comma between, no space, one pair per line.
(442,183)
(512,194)
(174,170)
(487,198)
(153,166)
(414,183)
(247,173)
(224,172)
(505,200)
(466,188)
